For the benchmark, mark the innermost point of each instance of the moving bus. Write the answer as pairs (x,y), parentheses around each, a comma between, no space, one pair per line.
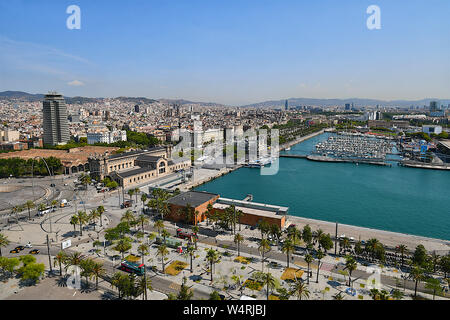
(132,267)
(186,235)
(45,211)
(170,242)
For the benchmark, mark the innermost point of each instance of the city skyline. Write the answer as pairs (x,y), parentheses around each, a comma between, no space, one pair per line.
(247,54)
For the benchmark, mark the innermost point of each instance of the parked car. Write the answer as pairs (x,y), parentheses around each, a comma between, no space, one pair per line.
(35,251)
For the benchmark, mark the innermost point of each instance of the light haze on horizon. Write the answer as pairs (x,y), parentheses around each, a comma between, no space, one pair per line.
(233,52)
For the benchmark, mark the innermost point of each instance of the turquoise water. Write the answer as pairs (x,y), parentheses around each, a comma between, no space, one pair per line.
(407,200)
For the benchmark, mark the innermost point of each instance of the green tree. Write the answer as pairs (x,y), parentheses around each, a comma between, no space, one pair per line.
(263,248)
(123,245)
(238,239)
(299,289)
(417,275)
(319,256)
(266,279)
(308,259)
(82,219)
(159,225)
(434,285)
(288,248)
(350,266)
(97,271)
(214,296)
(307,234)
(59,260)
(29,205)
(162,252)
(33,272)
(185,293)
(402,250)
(191,251)
(212,257)
(4,242)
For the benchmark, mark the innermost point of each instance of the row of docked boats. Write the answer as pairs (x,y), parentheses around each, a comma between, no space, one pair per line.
(351,146)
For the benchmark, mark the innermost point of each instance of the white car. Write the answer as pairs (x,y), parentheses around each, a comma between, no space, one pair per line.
(28,245)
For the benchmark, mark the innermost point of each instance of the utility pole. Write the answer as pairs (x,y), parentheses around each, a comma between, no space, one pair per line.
(335,239)
(48,251)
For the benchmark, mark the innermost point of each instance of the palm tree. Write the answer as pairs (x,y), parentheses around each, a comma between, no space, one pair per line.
(263,248)
(130,193)
(212,258)
(416,274)
(142,220)
(86,266)
(402,249)
(74,222)
(238,240)
(136,192)
(59,259)
(128,216)
(191,250)
(162,252)
(319,256)
(165,234)
(116,281)
(263,226)
(143,199)
(97,272)
(372,246)
(288,248)
(266,279)
(195,229)
(435,285)
(93,216)
(73,259)
(29,205)
(123,245)
(82,218)
(397,294)
(350,265)
(142,285)
(4,242)
(159,225)
(299,289)
(143,251)
(308,259)
(209,212)
(317,236)
(101,210)
(164,209)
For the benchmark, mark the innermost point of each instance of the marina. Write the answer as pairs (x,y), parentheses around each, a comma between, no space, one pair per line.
(397,199)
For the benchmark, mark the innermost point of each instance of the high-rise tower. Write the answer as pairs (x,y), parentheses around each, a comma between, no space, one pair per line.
(56,127)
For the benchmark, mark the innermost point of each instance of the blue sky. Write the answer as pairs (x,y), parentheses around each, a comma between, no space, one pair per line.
(234,52)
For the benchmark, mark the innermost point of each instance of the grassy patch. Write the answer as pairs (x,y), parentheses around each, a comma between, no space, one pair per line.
(360,297)
(243,260)
(273,297)
(175,268)
(291,274)
(253,285)
(132,258)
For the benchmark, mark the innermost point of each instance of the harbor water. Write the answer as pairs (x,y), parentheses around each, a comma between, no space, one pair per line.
(407,200)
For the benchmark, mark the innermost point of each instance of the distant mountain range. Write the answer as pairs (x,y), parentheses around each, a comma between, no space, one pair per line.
(71,100)
(357,102)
